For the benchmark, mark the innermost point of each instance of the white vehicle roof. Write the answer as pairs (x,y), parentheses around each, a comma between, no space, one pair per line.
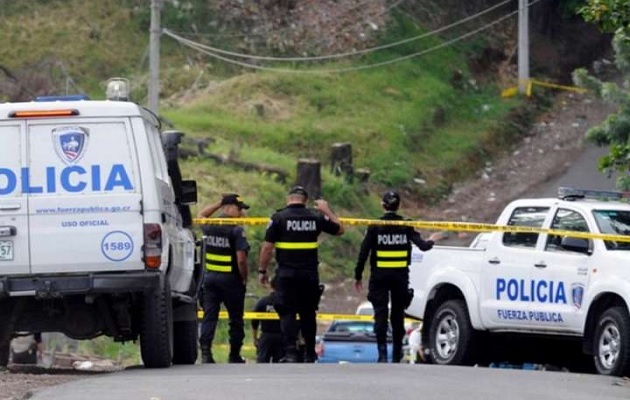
(86,108)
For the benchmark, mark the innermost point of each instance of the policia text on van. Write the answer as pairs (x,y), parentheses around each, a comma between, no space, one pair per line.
(130,274)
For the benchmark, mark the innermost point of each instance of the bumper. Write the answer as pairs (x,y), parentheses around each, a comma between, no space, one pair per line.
(60,286)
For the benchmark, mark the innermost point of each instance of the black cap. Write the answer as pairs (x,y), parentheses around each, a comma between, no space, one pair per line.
(297,189)
(233,198)
(391,200)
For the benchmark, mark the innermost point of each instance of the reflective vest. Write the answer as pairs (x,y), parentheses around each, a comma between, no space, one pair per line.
(392,249)
(220,255)
(297,245)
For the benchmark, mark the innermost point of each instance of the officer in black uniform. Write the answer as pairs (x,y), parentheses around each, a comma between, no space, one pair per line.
(225,277)
(269,345)
(389,248)
(293,232)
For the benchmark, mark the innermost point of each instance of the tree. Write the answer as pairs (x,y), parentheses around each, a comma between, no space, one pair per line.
(612,16)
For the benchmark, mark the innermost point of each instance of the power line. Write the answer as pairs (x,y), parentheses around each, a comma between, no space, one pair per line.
(339,55)
(360,67)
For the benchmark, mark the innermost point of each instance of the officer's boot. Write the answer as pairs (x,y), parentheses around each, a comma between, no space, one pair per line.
(382,353)
(206,354)
(290,355)
(397,354)
(235,355)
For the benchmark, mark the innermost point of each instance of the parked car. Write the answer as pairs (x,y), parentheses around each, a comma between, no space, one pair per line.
(350,341)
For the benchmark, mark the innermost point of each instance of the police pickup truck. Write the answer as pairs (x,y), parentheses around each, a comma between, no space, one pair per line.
(95,234)
(540,284)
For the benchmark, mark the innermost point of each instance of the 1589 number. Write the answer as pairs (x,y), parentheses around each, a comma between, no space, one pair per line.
(117,246)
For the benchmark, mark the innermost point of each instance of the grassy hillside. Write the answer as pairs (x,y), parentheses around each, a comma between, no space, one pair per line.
(407,122)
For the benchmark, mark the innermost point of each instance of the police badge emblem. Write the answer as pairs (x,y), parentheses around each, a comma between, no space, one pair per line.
(70,142)
(577,295)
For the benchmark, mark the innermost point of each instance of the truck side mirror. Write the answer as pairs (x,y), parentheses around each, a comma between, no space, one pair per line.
(579,245)
(189,193)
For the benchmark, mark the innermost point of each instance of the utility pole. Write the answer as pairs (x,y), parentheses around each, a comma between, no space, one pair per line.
(523,45)
(154,56)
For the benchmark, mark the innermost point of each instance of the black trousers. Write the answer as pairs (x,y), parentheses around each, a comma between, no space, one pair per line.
(228,289)
(270,348)
(297,293)
(382,288)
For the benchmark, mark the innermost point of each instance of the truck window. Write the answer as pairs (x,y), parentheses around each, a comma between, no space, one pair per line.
(525,216)
(565,220)
(614,222)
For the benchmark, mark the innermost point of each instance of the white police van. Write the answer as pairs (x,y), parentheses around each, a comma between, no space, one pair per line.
(95,234)
(556,287)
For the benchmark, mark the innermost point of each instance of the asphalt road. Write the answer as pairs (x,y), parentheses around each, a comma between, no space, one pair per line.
(582,174)
(339,381)
(352,381)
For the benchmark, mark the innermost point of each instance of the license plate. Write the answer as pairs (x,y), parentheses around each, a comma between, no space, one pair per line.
(6,250)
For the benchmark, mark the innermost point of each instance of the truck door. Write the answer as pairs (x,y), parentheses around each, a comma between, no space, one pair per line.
(560,277)
(507,271)
(14,237)
(84,196)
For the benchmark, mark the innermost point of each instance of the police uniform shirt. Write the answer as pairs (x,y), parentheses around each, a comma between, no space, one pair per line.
(221,245)
(294,231)
(389,247)
(265,304)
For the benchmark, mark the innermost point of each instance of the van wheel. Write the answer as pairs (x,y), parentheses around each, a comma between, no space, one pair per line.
(612,342)
(451,335)
(185,342)
(156,336)
(4,354)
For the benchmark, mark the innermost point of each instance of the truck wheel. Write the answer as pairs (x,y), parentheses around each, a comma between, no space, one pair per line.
(5,349)
(612,342)
(451,334)
(185,342)
(156,336)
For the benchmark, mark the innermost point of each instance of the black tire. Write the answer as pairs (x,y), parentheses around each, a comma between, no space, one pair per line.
(612,342)
(5,350)
(185,342)
(451,336)
(156,336)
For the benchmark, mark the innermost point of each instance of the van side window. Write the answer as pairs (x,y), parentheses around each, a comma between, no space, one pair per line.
(525,216)
(157,153)
(565,220)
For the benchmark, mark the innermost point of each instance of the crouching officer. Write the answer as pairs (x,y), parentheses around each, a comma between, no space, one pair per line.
(225,277)
(293,232)
(269,345)
(389,248)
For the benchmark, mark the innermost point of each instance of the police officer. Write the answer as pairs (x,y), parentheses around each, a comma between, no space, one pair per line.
(269,345)
(389,248)
(293,232)
(225,277)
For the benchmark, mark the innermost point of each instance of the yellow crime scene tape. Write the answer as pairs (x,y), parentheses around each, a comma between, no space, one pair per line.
(430,225)
(513,91)
(320,316)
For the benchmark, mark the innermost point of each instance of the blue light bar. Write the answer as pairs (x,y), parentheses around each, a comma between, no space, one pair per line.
(69,97)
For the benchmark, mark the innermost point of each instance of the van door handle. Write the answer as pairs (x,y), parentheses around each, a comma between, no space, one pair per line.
(9,207)
(8,231)
(494,260)
(541,264)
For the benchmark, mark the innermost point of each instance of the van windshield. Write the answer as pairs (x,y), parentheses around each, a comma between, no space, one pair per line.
(614,222)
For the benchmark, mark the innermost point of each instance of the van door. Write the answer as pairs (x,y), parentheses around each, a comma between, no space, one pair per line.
(84,196)
(14,238)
